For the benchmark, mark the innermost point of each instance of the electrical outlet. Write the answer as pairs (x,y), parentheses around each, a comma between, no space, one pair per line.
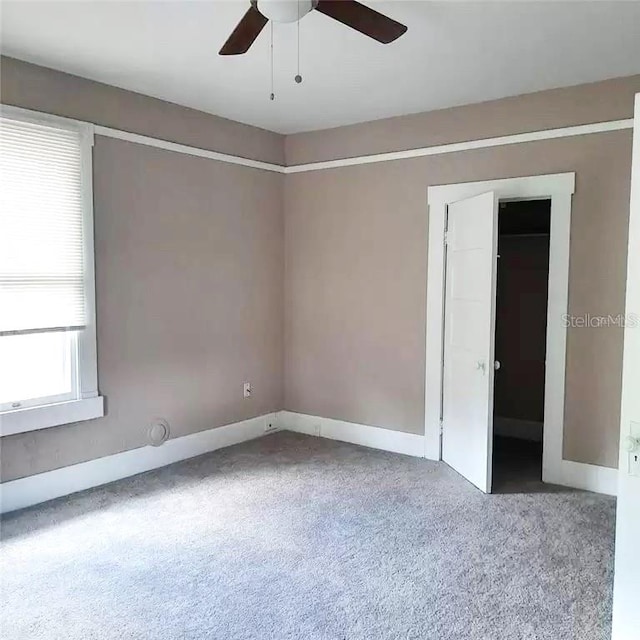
(246,390)
(270,425)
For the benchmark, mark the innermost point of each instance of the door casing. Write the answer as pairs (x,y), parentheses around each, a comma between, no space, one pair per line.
(626,587)
(559,188)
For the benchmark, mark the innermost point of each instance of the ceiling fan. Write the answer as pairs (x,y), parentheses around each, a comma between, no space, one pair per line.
(349,12)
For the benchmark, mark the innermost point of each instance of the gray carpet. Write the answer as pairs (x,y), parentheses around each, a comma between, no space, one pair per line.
(297,537)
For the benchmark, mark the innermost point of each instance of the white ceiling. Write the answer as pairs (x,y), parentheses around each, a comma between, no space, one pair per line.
(453,53)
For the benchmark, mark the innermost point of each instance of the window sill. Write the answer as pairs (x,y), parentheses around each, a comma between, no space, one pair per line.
(50,415)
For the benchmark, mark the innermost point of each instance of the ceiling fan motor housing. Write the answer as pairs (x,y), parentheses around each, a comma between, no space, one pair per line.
(284,10)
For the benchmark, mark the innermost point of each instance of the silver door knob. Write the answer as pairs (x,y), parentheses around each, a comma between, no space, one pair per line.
(496,364)
(631,444)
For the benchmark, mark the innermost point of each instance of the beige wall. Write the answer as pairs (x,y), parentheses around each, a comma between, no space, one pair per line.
(584,104)
(355,283)
(33,87)
(191,253)
(189,280)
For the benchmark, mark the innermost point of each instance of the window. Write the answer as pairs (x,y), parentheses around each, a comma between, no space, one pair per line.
(54,379)
(48,369)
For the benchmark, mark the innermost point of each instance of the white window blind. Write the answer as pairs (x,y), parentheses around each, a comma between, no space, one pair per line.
(41,228)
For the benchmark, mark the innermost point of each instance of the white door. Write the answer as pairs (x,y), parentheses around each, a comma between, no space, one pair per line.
(469,331)
(626,586)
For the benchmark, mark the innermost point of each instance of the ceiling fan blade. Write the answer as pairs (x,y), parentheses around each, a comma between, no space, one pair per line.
(363,19)
(243,36)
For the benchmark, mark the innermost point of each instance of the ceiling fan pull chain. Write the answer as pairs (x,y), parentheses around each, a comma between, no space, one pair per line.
(298,77)
(273,95)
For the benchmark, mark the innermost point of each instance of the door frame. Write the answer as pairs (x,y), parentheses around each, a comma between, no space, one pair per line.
(559,188)
(626,590)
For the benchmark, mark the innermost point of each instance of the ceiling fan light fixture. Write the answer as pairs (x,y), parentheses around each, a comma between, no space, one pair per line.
(350,13)
(285,10)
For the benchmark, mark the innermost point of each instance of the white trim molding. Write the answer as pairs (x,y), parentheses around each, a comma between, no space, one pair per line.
(571,474)
(453,147)
(590,477)
(32,490)
(50,415)
(469,145)
(559,188)
(626,584)
(183,148)
(409,444)
(136,138)
(25,492)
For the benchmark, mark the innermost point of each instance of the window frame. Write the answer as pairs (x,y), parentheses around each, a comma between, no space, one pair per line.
(88,404)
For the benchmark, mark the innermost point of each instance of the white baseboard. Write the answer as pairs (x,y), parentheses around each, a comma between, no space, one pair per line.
(570,474)
(31,490)
(375,437)
(580,475)
(25,492)
(520,429)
